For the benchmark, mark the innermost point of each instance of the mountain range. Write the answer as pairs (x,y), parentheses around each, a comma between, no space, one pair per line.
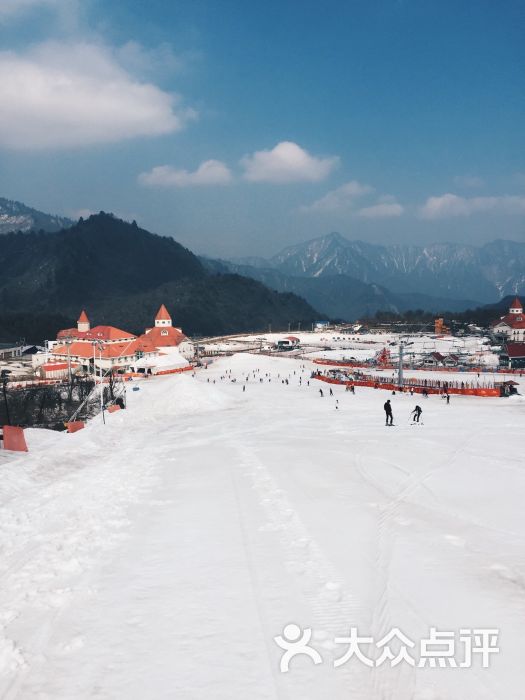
(50,266)
(345,278)
(15,216)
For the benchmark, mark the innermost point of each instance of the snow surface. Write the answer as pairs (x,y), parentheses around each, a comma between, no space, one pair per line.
(158,555)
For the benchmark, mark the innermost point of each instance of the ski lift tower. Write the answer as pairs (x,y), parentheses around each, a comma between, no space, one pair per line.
(403,343)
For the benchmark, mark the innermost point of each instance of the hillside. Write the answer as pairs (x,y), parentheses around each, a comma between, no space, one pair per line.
(15,216)
(121,273)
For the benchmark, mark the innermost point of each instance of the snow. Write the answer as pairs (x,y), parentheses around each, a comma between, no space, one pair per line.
(158,555)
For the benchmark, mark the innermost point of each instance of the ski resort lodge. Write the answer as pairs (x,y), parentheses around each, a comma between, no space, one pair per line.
(159,349)
(512,325)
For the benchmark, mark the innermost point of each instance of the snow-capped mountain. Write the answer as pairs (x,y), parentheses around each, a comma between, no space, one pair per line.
(448,270)
(15,216)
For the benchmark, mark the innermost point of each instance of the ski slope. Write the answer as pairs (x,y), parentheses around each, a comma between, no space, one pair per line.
(158,556)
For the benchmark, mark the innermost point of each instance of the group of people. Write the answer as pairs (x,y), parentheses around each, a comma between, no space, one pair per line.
(416,413)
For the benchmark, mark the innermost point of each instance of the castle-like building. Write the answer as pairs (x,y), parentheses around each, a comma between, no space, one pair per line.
(108,347)
(512,325)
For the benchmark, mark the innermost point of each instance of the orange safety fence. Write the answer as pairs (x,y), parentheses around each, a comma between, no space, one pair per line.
(174,371)
(390,386)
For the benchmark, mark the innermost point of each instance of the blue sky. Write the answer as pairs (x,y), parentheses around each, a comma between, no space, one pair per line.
(241,127)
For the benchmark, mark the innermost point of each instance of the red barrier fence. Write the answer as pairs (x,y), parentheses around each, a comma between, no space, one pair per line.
(381,383)
(174,371)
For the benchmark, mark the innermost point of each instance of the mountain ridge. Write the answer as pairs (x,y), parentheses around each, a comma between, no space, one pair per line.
(16,216)
(448,270)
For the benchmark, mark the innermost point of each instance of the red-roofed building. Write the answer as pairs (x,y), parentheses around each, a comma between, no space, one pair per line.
(84,333)
(108,347)
(164,335)
(513,355)
(512,325)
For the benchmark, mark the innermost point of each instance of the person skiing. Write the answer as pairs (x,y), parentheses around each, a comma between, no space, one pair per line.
(388,412)
(321,392)
(416,413)
(331,392)
(448,398)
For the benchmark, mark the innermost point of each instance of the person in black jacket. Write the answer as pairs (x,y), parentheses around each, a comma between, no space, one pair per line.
(388,412)
(416,413)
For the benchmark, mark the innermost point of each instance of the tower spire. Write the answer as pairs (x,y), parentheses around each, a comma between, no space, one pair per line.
(83,324)
(162,319)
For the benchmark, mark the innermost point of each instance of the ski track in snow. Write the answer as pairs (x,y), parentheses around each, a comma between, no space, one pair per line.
(203,519)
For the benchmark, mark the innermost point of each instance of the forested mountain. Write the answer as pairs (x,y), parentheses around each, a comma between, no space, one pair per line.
(121,273)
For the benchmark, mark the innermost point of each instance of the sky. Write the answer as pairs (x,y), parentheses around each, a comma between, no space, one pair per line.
(241,127)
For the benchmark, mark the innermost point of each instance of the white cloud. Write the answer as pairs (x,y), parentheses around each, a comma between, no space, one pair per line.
(449,205)
(339,199)
(61,95)
(211,172)
(285,163)
(152,61)
(470,181)
(387,207)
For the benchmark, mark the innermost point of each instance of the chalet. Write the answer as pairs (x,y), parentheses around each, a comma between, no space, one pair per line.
(512,325)
(437,359)
(433,359)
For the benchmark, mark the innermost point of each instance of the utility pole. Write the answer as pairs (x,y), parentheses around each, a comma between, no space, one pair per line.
(402,345)
(101,384)
(400,371)
(3,375)
(69,378)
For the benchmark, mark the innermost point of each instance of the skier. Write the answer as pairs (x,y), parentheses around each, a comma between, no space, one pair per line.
(388,412)
(448,399)
(417,413)
(331,392)
(321,392)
